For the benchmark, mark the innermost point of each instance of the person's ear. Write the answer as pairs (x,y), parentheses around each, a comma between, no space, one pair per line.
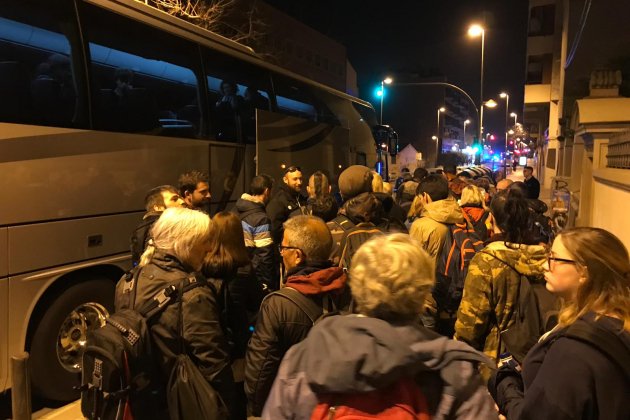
(329,189)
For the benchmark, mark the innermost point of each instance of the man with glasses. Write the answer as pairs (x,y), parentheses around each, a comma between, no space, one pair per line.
(286,199)
(313,287)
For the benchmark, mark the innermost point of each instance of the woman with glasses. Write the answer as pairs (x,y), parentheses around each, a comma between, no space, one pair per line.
(581,369)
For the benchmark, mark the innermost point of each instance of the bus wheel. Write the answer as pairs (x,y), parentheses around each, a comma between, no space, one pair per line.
(59,339)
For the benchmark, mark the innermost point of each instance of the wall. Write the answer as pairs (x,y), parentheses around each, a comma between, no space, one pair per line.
(610,198)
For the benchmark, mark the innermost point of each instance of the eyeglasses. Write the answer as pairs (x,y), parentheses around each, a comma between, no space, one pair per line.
(292,169)
(551,258)
(283,247)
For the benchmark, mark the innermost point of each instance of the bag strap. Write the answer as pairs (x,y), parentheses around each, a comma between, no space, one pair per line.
(306,305)
(166,296)
(344,222)
(603,340)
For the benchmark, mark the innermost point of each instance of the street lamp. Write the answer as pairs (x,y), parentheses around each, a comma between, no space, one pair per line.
(440,110)
(475,31)
(386,81)
(465,124)
(435,138)
(490,103)
(513,114)
(507,105)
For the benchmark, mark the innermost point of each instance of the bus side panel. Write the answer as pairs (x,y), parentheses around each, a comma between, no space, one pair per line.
(4,333)
(41,245)
(54,173)
(313,146)
(228,175)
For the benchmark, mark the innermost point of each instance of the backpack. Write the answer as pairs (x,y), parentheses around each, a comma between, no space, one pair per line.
(120,377)
(402,400)
(605,341)
(460,246)
(349,237)
(535,313)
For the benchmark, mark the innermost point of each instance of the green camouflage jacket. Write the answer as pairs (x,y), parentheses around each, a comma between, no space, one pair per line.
(490,291)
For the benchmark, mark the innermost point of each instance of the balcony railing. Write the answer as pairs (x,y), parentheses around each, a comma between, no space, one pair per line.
(619,151)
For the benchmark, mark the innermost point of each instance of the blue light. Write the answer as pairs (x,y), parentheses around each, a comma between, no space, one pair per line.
(475,150)
(379,92)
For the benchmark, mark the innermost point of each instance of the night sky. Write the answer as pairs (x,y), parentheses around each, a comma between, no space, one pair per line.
(402,37)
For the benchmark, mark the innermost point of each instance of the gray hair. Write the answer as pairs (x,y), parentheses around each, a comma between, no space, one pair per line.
(311,235)
(176,232)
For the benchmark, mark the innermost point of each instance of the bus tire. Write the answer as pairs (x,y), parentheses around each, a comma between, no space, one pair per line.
(49,378)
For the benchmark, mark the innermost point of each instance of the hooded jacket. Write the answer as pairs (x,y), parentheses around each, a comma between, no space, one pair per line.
(431,228)
(281,324)
(491,291)
(565,378)
(355,354)
(282,204)
(257,232)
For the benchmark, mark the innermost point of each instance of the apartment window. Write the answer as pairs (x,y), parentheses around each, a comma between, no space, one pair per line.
(539,69)
(541,20)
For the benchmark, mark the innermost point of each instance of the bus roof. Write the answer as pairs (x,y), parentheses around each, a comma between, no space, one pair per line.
(162,20)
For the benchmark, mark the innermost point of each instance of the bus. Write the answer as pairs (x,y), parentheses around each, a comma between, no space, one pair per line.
(103,100)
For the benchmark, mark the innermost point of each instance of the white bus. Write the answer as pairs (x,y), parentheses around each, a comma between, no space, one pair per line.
(101,101)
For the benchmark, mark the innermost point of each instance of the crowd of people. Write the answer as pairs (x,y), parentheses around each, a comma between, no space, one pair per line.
(450,297)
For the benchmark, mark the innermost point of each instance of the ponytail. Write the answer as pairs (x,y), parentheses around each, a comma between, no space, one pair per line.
(147,255)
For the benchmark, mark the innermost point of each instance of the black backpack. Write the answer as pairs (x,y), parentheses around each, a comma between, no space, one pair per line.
(120,376)
(535,313)
(314,311)
(353,237)
(460,246)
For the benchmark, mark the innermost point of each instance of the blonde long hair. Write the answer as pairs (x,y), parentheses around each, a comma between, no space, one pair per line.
(606,290)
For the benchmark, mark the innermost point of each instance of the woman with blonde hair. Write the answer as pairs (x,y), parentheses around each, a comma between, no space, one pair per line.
(381,360)
(581,369)
(474,209)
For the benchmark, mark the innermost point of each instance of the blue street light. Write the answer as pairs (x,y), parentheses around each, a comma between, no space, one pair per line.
(378,92)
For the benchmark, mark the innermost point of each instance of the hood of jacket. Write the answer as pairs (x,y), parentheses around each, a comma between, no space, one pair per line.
(360,354)
(475,213)
(528,260)
(248,203)
(163,270)
(317,278)
(444,211)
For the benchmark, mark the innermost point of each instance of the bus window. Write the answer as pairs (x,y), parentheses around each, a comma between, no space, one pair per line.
(235,91)
(37,73)
(304,101)
(143,80)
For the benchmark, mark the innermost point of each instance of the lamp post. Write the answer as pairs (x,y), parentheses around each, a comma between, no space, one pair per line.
(465,124)
(513,114)
(440,110)
(490,103)
(437,141)
(386,81)
(475,31)
(507,106)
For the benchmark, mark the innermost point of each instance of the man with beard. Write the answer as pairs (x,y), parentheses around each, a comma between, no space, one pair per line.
(287,198)
(194,188)
(156,201)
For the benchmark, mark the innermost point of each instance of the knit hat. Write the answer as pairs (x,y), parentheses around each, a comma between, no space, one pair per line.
(355,180)
(409,189)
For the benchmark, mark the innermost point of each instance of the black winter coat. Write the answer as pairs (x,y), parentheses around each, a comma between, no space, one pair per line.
(203,335)
(565,378)
(282,204)
(281,324)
